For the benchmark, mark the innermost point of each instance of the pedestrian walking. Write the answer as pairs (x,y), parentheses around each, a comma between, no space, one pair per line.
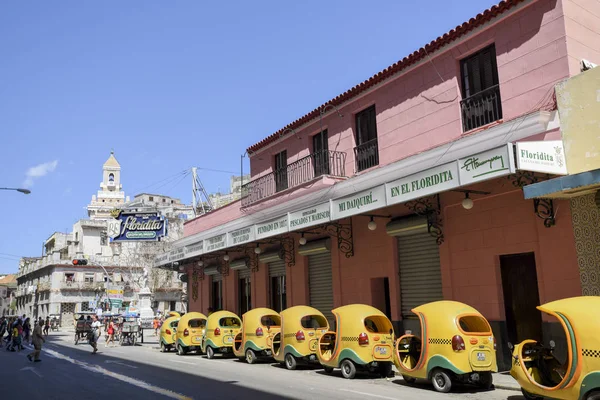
(47,326)
(155,326)
(111,333)
(94,334)
(27,330)
(3,327)
(37,340)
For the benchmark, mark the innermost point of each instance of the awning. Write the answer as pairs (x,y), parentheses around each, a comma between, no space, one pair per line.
(565,187)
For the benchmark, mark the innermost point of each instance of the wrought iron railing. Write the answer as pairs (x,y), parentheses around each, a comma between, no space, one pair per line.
(304,170)
(481,109)
(366,155)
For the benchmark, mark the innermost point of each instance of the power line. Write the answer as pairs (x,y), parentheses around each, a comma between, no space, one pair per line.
(216,170)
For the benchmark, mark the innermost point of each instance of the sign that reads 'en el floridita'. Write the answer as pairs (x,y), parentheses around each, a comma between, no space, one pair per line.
(487,165)
(273,227)
(132,226)
(433,180)
(309,217)
(358,203)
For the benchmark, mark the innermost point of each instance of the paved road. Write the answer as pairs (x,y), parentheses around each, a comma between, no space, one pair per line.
(142,372)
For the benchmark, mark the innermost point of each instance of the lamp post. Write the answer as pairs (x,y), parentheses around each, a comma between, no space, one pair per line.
(24,191)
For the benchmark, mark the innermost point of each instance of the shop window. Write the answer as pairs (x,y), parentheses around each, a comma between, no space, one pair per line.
(366,151)
(481,103)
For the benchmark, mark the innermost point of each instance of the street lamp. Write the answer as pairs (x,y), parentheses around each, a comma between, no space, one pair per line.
(24,191)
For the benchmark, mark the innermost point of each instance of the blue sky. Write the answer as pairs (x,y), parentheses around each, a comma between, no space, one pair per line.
(170,85)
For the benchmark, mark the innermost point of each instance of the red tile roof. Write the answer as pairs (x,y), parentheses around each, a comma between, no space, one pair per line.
(436,44)
(10,278)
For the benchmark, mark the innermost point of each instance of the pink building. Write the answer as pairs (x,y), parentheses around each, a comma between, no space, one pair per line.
(405,189)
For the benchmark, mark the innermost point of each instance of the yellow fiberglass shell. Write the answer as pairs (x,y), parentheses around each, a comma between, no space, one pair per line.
(194,332)
(229,325)
(440,321)
(168,330)
(269,323)
(351,322)
(291,323)
(174,314)
(578,318)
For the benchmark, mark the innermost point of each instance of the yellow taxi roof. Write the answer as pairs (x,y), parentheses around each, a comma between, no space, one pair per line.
(191,315)
(358,311)
(257,313)
(173,314)
(217,315)
(443,308)
(300,311)
(581,307)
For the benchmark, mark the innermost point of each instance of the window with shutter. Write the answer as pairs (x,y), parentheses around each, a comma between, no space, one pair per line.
(481,102)
(281,179)
(366,151)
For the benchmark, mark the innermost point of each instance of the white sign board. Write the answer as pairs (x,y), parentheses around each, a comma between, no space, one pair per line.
(547,157)
(177,254)
(195,249)
(358,203)
(487,165)
(309,217)
(434,180)
(215,242)
(240,236)
(161,259)
(273,227)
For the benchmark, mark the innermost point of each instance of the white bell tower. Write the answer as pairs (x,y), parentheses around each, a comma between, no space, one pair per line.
(110,195)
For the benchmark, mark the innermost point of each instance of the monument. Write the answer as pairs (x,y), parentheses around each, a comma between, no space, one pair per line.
(145,302)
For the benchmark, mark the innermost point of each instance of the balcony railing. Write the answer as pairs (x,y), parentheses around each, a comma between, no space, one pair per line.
(304,170)
(481,109)
(366,155)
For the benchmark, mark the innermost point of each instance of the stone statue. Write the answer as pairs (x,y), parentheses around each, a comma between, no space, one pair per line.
(145,278)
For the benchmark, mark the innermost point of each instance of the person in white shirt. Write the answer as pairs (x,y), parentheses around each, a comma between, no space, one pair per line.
(95,333)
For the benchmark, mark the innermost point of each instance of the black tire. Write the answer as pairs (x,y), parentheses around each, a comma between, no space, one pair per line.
(529,396)
(328,370)
(180,350)
(441,381)
(250,356)
(76,339)
(409,379)
(385,369)
(348,369)
(290,362)
(210,353)
(163,349)
(595,395)
(486,380)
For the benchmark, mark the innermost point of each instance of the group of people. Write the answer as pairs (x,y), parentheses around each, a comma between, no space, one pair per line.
(18,330)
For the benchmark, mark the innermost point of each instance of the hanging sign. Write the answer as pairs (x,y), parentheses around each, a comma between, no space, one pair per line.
(547,157)
(358,203)
(487,165)
(240,236)
(273,227)
(136,226)
(195,249)
(309,217)
(434,180)
(216,242)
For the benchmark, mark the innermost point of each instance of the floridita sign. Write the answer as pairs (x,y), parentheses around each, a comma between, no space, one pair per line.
(433,180)
(547,157)
(136,226)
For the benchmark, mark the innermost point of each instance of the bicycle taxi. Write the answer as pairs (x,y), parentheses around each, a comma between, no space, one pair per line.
(129,331)
(83,325)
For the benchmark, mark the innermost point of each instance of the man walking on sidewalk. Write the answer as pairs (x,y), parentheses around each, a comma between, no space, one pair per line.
(37,341)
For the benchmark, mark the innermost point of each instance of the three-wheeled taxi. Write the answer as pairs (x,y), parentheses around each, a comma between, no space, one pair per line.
(54,321)
(168,332)
(221,329)
(301,329)
(541,375)
(130,329)
(364,340)
(190,330)
(253,342)
(83,324)
(457,344)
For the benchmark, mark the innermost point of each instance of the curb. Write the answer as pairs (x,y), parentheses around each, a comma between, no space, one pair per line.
(507,387)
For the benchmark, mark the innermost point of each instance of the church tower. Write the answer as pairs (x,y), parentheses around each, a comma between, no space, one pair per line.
(110,195)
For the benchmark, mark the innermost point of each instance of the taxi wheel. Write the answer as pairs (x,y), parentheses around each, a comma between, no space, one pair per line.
(210,353)
(385,369)
(162,348)
(409,379)
(486,380)
(441,381)
(290,362)
(250,356)
(180,350)
(348,369)
(595,395)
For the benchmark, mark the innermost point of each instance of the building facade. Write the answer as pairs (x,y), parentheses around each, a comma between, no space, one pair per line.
(405,189)
(8,286)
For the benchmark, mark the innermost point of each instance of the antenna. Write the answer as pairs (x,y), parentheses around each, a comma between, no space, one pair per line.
(200,200)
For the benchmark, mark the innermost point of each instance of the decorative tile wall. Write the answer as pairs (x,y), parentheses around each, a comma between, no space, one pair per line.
(586,226)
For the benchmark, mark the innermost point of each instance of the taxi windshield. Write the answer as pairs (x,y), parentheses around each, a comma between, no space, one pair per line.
(378,324)
(174,324)
(313,322)
(230,322)
(196,323)
(474,324)
(270,320)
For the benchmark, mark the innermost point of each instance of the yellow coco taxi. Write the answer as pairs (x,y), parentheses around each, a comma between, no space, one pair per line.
(168,332)
(541,375)
(363,340)
(457,344)
(301,329)
(221,329)
(190,330)
(254,341)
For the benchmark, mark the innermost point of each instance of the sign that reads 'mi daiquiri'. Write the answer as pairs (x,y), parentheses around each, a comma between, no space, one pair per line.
(131,226)
(433,180)
(358,203)
(309,217)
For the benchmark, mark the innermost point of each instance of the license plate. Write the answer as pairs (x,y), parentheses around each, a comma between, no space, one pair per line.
(228,339)
(480,356)
(381,350)
(197,338)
